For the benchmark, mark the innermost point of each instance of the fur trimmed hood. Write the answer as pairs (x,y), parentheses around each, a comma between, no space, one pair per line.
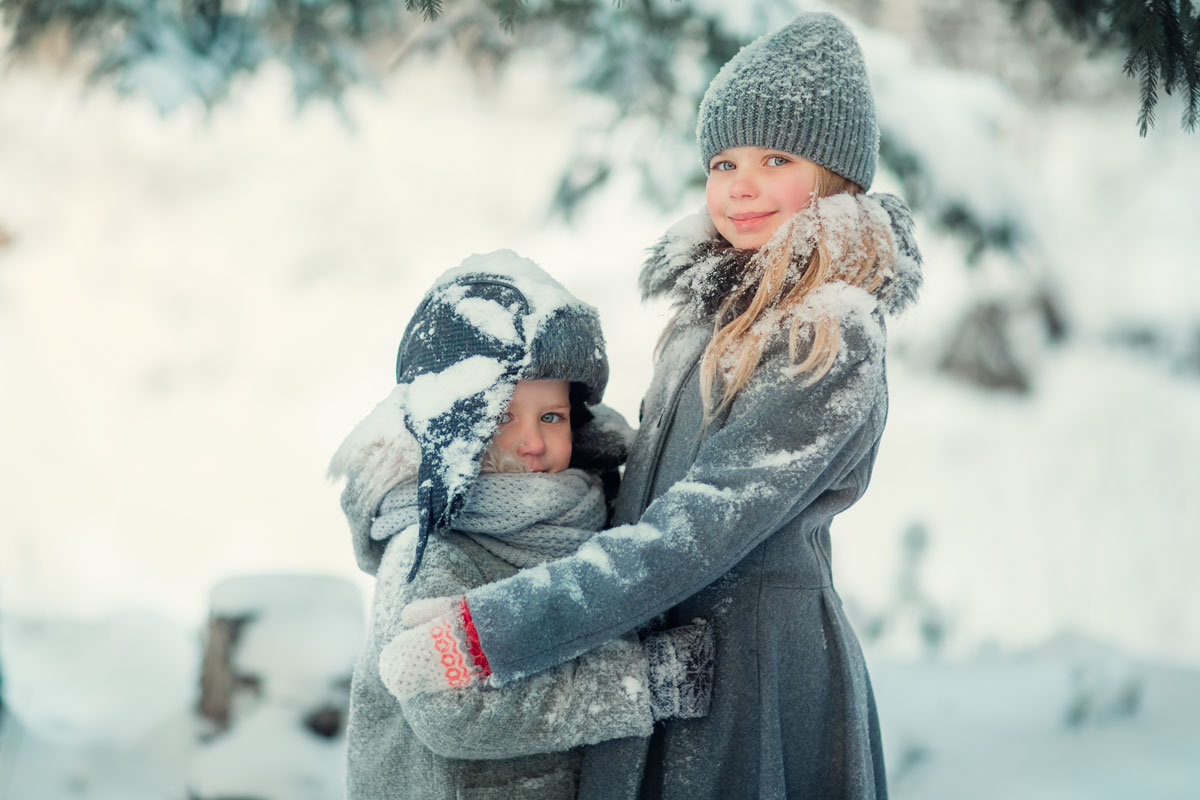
(694,266)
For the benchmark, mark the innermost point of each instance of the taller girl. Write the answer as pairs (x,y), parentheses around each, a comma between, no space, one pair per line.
(761,424)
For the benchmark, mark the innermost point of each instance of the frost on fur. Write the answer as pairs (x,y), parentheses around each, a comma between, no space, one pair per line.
(377,454)
(692,265)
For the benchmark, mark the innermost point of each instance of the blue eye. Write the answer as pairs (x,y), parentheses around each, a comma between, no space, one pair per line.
(504,418)
(777,161)
(552,416)
(723,166)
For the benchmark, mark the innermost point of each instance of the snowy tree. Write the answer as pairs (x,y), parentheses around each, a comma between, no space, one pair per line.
(651,60)
(184,48)
(648,61)
(1161,38)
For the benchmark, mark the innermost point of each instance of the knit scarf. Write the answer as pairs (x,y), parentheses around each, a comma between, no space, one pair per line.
(524,519)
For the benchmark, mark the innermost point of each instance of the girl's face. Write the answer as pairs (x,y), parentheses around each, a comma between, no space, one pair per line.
(752,191)
(537,426)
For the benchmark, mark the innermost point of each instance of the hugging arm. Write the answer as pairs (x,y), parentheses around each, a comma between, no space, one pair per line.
(784,445)
(610,692)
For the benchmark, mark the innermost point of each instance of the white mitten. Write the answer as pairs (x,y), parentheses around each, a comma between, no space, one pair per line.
(430,608)
(442,652)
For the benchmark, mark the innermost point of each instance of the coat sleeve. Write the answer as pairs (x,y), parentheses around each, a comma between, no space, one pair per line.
(782,446)
(599,696)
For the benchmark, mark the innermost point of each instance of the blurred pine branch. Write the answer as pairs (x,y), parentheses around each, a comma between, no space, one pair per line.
(322,41)
(1161,39)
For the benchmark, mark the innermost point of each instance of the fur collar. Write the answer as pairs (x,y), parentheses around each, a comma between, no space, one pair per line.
(694,267)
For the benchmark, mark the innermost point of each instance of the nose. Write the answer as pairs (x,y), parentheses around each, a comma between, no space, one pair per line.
(743,185)
(530,441)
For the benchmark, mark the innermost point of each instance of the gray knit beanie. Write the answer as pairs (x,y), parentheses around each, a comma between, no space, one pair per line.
(803,90)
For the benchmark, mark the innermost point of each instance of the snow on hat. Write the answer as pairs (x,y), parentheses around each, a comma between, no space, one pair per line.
(496,319)
(803,90)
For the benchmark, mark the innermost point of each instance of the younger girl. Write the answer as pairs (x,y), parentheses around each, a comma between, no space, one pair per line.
(498,365)
(761,424)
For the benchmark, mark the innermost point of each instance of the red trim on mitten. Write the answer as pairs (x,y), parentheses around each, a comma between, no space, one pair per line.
(473,645)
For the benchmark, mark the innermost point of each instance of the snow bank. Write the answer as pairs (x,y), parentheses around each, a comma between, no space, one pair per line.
(302,633)
(105,681)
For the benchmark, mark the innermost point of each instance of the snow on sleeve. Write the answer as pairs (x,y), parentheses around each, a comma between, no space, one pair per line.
(728,496)
(633,687)
(712,492)
(538,576)
(851,399)
(791,458)
(640,532)
(594,555)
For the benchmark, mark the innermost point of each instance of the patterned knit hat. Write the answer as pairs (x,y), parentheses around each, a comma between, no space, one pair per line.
(802,90)
(494,320)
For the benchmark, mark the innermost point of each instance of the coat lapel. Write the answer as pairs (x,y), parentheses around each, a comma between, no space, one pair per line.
(678,361)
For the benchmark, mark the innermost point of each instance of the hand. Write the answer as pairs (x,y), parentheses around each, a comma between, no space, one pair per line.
(681,671)
(419,612)
(440,653)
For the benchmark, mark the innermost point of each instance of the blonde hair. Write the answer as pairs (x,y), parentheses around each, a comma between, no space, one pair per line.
(736,346)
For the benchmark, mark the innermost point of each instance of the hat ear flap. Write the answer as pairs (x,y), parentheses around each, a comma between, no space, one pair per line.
(427,501)
(460,356)
(452,448)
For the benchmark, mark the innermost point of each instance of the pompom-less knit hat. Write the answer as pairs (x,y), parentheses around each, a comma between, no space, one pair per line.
(804,90)
(496,319)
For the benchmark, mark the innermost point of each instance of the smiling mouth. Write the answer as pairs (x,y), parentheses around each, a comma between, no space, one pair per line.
(750,221)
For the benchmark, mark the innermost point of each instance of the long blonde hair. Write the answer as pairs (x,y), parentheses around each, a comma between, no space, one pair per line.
(736,346)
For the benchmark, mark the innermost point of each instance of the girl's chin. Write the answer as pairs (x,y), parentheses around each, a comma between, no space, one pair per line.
(749,242)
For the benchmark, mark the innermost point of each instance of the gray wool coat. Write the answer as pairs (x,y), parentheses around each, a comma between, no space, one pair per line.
(732,524)
(482,743)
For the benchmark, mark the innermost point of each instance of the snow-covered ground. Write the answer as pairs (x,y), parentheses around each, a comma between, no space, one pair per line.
(193,314)
(1068,720)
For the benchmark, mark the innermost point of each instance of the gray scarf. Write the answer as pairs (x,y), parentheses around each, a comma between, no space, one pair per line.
(524,519)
